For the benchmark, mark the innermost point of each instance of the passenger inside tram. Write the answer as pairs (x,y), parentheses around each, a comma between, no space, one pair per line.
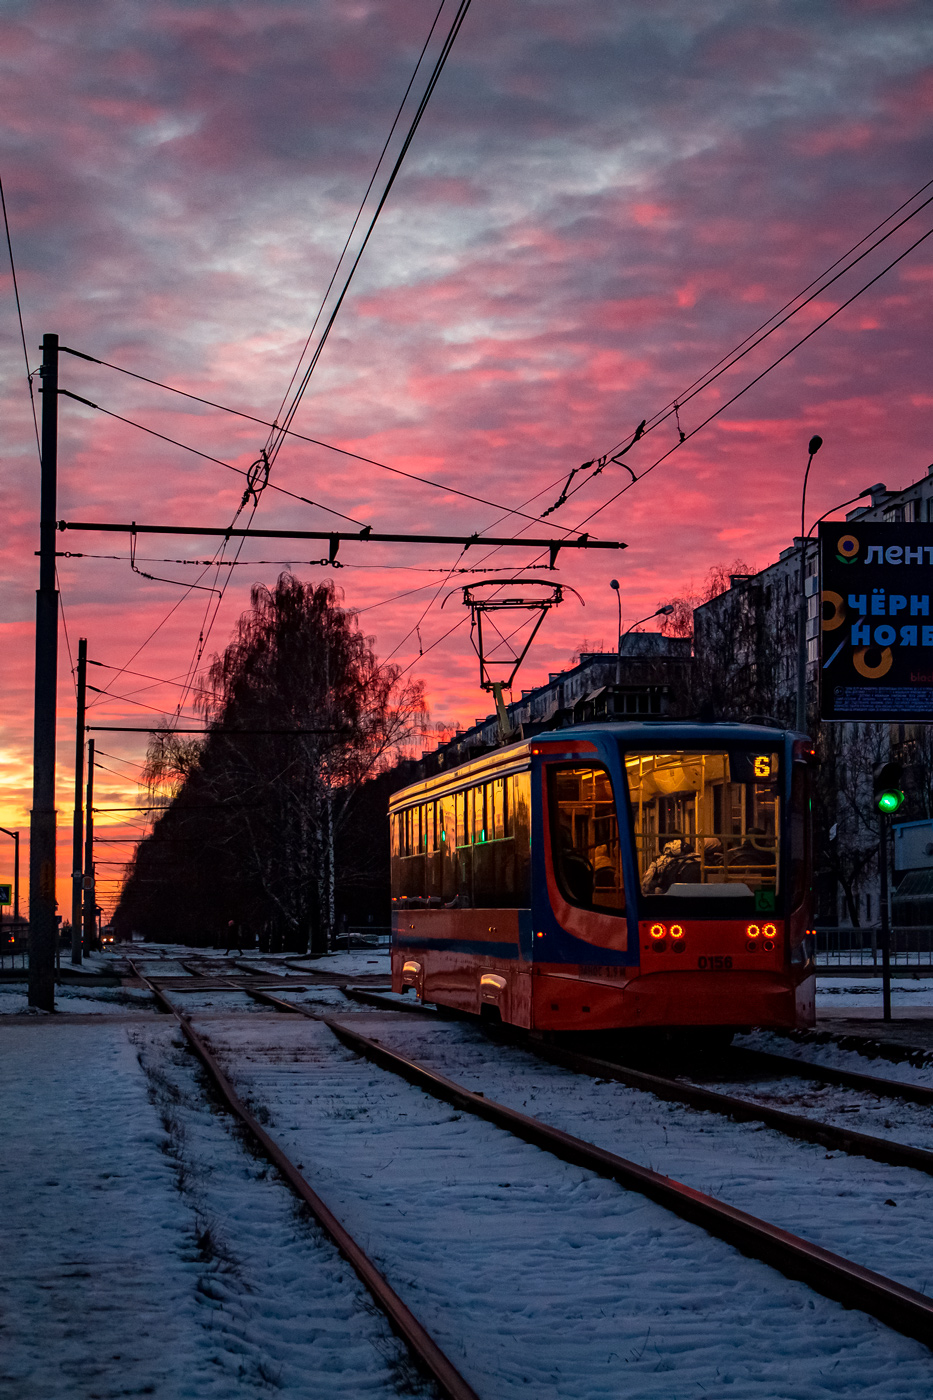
(705,822)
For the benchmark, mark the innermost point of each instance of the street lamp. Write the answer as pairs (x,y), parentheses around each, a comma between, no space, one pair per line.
(801,717)
(659,612)
(614,584)
(15,835)
(813,447)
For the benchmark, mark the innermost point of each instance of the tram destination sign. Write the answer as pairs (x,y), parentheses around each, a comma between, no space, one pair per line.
(876,637)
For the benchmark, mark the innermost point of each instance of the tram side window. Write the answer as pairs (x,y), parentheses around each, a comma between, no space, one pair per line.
(585,838)
(463,805)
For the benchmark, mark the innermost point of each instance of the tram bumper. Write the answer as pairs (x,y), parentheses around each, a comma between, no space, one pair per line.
(714,998)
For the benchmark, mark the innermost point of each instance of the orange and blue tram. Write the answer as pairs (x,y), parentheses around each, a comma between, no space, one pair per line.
(613,876)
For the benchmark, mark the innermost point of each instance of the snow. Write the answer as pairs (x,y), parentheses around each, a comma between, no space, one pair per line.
(755,1168)
(360,961)
(158,1257)
(834,992)
(77,999)
(821,1049)
(541,1279)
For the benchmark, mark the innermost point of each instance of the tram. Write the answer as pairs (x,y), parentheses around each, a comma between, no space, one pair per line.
(612,876)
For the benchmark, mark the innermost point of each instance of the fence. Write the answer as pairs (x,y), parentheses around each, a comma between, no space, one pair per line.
(860,947)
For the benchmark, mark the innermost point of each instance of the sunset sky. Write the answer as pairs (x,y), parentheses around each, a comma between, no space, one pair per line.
(601,201)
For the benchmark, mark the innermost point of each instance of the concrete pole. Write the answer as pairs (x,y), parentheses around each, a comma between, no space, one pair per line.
(77,845)
(89,892)
(42,927)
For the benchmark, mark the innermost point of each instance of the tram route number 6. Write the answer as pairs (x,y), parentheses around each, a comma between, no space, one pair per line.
(714,964)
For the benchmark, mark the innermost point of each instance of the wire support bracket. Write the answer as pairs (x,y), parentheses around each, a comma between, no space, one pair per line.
(334,539)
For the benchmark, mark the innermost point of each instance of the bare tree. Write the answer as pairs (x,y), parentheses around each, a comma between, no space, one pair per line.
(300,717)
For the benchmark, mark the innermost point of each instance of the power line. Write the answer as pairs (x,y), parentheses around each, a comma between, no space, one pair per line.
(758,378)
(722,407)
(159,680)
(19,313)
(196,452)
(300,437)
(276,438)
(751,342)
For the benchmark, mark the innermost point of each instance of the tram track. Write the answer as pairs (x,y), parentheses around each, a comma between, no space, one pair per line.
(451,1383)
(899,1307)
(679,1090)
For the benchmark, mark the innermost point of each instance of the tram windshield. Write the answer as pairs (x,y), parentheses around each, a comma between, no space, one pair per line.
(707,829)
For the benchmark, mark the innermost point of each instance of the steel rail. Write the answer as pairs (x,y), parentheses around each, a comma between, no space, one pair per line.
(895,1154)
(795,1125)
(400,1316)
(900,1308)
(845,1078)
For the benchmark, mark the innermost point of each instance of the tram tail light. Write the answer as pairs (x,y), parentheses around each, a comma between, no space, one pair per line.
(753,931)
(676,931)
(658,931)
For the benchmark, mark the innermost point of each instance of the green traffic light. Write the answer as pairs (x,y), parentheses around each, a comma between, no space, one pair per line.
(890,801)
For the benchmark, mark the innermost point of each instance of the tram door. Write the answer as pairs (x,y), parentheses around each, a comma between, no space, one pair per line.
(585,837)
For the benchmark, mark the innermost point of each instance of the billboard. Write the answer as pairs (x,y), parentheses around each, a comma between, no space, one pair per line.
(876,637)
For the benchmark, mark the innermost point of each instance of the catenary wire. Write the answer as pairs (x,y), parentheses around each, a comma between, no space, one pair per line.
(722,407)
(359,214)
(746,346)
(19,313)
(240,471)
(315,442)
(277,437)
(758,378)
(680,400)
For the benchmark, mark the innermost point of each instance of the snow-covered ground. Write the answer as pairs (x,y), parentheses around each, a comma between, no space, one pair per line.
(542,1280)
(906,992)
(757,1169)
(365,961)
(86,1000)
(146,1253)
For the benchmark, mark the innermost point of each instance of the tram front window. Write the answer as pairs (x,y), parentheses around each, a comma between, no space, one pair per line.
(585,838)
(707,829)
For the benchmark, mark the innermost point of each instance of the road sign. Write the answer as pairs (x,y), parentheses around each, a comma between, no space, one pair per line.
(6,894)
(876,638)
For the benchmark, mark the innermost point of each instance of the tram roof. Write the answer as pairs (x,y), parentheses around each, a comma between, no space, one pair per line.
(514,757)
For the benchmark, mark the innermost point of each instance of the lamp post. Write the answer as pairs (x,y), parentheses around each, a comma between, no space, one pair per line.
(15,835)
(802,602)
(813,447)
(614,584)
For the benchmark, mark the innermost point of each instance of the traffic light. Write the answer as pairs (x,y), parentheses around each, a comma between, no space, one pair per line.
(889,795)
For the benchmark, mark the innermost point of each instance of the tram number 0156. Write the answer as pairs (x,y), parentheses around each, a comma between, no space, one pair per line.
(717,964)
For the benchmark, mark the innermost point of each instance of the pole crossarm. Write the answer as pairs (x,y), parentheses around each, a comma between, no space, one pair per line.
(336,537)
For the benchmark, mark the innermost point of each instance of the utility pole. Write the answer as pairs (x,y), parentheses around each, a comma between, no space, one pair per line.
(42,928)
(885,919)
(78,834)
(89,894)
